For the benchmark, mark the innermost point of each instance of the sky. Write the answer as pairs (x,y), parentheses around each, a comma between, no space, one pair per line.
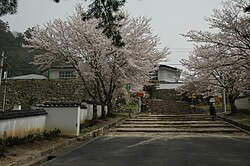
(169,19)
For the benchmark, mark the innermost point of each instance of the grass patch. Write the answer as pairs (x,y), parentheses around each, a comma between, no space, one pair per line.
(130,106)
(241,117)
(218,108)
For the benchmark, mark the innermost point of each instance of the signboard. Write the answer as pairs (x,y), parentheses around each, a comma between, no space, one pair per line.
(139,94)
(128,86)
(217,100)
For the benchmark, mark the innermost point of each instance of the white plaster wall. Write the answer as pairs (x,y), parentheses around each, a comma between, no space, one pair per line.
(99,111)
(67,119)
(165,75)
(243,103)
(84,115)
(22,126)
(106,109)
(90,112)
(53,74)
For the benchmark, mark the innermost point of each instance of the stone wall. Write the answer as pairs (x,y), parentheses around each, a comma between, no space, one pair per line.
(168,107)
(167,94)
(31,92)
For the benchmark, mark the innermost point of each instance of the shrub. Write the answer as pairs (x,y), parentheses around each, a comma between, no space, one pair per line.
(51,134)
(3,147)
(12,140)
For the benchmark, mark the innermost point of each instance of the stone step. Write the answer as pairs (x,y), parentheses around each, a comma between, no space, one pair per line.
(175,117)
(195,124)
(173,122)
(175,130)
(170,119)
(172,126)
(198,117)
(169,115)
(179,134)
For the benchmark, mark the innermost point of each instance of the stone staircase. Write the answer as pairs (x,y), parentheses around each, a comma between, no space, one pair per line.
(157,106)
(189,124)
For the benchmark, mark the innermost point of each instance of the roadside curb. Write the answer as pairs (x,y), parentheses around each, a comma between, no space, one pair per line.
(100,131)
(42,156)
(240,125)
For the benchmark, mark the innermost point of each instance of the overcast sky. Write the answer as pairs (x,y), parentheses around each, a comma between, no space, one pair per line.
(170,18)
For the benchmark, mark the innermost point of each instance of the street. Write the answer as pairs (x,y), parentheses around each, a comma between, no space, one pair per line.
(148,151)
(192,140)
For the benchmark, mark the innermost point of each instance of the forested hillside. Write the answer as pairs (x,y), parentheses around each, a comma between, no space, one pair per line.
(17,59)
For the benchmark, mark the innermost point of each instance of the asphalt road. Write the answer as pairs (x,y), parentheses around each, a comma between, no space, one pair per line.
(158,151)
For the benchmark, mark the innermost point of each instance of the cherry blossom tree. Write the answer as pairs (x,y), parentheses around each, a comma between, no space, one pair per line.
(221,57)
(102,67)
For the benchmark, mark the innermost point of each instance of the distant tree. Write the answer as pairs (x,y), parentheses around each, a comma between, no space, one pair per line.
(107,11)
(8,6)
(6,37)
(247,9)
(102,67)
(18,59)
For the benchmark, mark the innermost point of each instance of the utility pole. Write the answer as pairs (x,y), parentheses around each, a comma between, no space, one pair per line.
(1,67)
(224,100)
(5,89)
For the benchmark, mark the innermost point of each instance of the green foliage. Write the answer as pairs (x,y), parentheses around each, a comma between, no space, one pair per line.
(51,134)
(130,106)
(88,123)
(8,6)
(242,116)
(14,140)
(3,147)
(108,12)
(247,9)
(17,59)
(150,89)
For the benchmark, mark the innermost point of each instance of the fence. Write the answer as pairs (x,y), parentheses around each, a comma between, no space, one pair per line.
(49,115)
(22,122)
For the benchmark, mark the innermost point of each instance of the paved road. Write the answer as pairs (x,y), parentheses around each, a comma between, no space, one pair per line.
(159,151)
(189,140)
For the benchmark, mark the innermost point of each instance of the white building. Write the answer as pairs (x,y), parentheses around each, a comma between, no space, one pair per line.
(29,77)
(166,77)
(61,72)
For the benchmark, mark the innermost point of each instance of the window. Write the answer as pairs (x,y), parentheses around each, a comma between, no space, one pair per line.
(67,74)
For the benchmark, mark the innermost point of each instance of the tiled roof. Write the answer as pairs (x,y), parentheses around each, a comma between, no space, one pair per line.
(168,67)
(90,102)
(30,77)
(61,104)
(11,114)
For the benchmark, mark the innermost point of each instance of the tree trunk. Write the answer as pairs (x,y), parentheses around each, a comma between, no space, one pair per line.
(110,107)
(103,112)
(232,104)
(94,111)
